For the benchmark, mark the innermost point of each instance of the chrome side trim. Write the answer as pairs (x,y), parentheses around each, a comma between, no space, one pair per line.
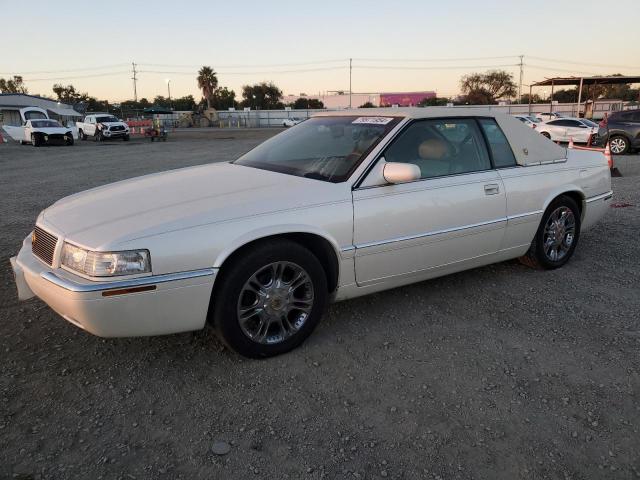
(527,214)
(604,196)
(348,248)
(72,286)
(429,234)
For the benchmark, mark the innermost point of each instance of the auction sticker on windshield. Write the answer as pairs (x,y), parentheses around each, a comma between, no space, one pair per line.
(373,120)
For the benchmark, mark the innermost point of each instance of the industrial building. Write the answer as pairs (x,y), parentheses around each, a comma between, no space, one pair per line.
(11,103)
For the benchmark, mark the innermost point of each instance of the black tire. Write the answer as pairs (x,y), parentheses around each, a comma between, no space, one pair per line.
(125,138)
(546,134)
(536,257)
(69,141)
(35,140)
(81,135)
(619,140)
(227,297)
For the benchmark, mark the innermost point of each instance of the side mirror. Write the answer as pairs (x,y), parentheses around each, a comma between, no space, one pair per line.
(394,172)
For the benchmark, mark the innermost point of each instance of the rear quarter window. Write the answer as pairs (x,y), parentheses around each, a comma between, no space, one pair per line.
(499,147)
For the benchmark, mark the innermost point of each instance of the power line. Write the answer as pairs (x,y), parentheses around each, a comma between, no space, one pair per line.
(263,65)
(439,67)
(555,60)
(106,74)
(424,60)
(85,69)
(557,69)
(300,70)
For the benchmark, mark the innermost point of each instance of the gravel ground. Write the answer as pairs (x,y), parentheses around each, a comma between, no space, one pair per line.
(502,372)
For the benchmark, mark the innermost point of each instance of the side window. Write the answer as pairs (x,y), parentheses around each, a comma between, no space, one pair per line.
(441,147)
(555,122)
(574,123)
(500,148)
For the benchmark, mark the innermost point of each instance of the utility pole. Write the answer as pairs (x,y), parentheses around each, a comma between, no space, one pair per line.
(135,80)
(350,68)
(520,84)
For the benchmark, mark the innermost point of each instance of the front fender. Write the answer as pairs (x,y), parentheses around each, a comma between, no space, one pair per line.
(273,230)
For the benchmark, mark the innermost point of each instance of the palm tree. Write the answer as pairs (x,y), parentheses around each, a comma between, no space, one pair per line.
(207,82)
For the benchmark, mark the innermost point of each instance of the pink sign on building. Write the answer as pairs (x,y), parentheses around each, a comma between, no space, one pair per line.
(404,99)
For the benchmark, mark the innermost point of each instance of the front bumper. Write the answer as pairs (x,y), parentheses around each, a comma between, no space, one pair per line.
(153,305)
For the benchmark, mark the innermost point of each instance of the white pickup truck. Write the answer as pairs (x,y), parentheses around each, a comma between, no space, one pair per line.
(102,126)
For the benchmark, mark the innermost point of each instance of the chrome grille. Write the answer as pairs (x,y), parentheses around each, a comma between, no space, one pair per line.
(43,245)
(117,128)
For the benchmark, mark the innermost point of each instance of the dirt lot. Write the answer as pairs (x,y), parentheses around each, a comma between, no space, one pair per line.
(502,372)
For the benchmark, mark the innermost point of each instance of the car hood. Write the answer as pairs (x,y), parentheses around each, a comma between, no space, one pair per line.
(103,217)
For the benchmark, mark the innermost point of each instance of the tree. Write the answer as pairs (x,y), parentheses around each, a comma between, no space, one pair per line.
(566,96)
(186,103)
(207,82)
(262,95)
(13,85)
(223,99)
(535,98)
(367,105)
(305,102)
(486,88)
(434,102)
(68,94)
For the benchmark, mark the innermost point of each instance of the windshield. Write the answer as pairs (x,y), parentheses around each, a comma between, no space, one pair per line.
(589,123)
(106,119)
(44,123)
(324,148)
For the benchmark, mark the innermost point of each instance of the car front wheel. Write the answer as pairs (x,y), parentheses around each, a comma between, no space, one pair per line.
(270,300)
(619,145)
(557,236)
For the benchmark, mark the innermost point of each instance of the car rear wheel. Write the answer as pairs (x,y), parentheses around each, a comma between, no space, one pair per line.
(270,301)
(619,145)
(557,236)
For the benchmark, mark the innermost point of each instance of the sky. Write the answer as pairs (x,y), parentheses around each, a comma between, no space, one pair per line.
(304,47)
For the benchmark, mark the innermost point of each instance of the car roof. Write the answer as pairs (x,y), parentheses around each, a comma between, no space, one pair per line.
(413,112)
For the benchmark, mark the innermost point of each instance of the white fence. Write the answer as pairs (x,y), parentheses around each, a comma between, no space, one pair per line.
(276,118)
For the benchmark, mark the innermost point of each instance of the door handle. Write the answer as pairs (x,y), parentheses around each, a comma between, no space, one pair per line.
(491,189)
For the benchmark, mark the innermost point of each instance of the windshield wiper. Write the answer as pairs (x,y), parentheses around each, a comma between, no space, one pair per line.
(315,175)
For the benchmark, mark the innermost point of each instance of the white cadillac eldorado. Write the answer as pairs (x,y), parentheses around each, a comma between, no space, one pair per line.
(341,205)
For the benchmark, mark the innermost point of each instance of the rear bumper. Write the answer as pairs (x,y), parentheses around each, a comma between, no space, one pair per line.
(153,305)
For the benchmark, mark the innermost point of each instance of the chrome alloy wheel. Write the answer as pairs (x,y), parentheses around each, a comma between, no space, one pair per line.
(559,233)
(275,302)
(617,145)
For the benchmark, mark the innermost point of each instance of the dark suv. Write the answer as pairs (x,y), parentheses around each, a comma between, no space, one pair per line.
(623,129)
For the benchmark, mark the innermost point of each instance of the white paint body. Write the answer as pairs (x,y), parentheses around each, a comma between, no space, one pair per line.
(24,132)
(89,126)
(383,235)
(578,131)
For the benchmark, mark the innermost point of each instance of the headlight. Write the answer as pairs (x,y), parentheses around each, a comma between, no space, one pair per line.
(105,264)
